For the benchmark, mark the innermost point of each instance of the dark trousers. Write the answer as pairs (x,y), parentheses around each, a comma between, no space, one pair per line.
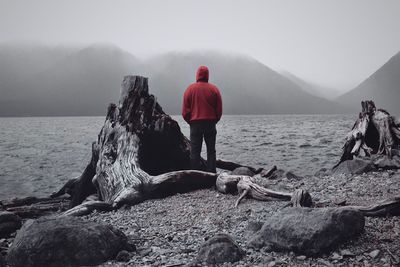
(198,131)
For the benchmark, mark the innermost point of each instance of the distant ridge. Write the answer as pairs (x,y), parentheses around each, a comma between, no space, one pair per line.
(383,87)
(312,88)
(73,81)
(247,86)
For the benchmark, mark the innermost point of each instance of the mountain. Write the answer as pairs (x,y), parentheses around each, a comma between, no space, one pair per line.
(247,86)
(82,81)
(312,88)
(18,61)
(383,87)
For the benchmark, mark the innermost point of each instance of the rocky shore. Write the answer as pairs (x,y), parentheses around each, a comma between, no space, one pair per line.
(170,231)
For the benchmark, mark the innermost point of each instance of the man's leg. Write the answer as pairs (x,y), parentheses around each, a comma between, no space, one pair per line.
(196,141)
(209,137)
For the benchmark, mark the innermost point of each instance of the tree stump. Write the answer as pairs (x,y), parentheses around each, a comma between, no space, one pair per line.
(140,153)
(374,132)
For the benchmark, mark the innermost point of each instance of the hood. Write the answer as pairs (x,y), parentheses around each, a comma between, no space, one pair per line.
(202,74)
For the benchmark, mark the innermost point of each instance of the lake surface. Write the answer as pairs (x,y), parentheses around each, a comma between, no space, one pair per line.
(39,154)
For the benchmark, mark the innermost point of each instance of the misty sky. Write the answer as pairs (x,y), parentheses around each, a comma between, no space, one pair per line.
(337,43)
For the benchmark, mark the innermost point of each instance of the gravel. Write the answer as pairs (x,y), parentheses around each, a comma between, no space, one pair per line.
(169,231)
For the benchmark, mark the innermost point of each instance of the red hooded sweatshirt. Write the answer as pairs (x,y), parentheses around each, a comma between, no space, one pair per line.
(202,100)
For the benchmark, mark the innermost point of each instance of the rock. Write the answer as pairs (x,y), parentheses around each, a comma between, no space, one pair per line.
(219,249)
(2,262)
(277,175)
(336,256)
(323,172)
(123,256)
(308,231)
(384,162)
(322,262)
(301,257)
(243,171)
(375,253)
(65,241)
(292,176)
(346,253)
(355,166)
(9,223)
(272,264)
(340,201)
(252,227)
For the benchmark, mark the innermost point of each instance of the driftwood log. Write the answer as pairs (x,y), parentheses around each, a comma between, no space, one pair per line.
(374,132)
(246,187)
(33,207)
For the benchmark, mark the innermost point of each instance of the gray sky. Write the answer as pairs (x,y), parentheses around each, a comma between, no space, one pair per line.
(337,43)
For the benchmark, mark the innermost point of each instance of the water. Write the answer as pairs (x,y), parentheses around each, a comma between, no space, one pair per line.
(37,155)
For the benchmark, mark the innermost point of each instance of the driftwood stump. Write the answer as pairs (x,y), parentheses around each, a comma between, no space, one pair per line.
(140,153)
(374,132)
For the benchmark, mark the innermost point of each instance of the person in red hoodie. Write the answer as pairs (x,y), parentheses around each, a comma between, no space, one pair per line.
(202,109)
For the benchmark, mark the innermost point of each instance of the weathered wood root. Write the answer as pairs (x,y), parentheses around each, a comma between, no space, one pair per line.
(384,208)
(68,188)
(248,188)
(87,208)
(301,198)
(32,207)
(267,173)
(374,132)
(230,166)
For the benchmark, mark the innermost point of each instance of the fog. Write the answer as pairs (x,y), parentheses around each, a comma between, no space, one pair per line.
(336,44)
(48,81)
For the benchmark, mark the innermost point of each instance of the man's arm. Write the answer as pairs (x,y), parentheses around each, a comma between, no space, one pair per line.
(218,107)
(186,106)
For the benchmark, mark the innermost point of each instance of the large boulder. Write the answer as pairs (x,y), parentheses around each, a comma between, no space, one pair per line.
(308,231)
(355,166)
(65,241)
(219,249)
(9,223)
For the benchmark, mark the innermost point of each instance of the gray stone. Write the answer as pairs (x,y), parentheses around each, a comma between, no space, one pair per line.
(9,223)
(65,241)
(219,249)
(336,256)
(253,226)
(291,176)
(355,166)
(346,253)
(243,171)
(308,231)
(384,162)
(123,256)
(375,253)
(323,172)
(2,262)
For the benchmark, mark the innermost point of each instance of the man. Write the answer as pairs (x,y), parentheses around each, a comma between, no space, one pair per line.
(202,109)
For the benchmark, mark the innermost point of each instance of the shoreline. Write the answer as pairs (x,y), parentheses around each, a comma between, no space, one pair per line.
(169,231)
